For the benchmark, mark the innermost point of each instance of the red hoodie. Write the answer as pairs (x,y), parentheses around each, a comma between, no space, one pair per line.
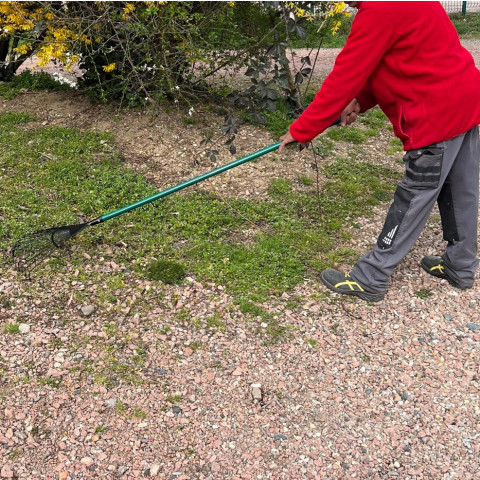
(407,58)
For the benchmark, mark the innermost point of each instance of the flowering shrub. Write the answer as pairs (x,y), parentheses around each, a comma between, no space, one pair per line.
(145,51)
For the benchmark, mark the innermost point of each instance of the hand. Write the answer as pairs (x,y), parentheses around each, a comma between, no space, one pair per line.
(349,114)
(286,139)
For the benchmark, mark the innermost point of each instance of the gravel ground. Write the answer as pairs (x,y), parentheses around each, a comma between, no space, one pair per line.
(350,390)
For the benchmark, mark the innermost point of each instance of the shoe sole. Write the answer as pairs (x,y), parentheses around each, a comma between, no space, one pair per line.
(369,297)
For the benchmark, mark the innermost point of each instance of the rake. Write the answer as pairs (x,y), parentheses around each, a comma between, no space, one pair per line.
(32,249)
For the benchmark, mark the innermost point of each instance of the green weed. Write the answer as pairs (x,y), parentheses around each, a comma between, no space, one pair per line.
(215,323)
(424,293)
(165,271)
(12,328)
(174,398)
(396,146)
(351,134)
(139,413)
(121,407)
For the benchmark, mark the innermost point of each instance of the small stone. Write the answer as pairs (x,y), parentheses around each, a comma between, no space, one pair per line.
(279,437)
(63,475)
(6,472)
(154,469)
(448,317)
(111,402)
(177,410)
(161,371)
(256,390)
(24,328)
(121,470)
(473,327)
(87,310)
(88,461)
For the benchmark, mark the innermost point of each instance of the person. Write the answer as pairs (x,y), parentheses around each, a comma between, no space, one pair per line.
(406,58)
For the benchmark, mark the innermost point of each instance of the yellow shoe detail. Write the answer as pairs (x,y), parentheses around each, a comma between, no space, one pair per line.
(439,268)
(349,284)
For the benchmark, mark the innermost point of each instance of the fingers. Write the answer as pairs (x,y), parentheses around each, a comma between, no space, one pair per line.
(286,139)
(350,118)
(350,112)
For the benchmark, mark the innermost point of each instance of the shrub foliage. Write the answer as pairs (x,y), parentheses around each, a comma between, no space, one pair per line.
(146,51)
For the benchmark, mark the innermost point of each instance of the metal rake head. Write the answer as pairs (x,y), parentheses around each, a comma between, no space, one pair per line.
(32,249)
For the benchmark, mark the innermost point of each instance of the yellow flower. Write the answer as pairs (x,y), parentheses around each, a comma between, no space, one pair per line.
(231,4)
(335,27)
(109,68)
(127,11)
(338,7)
(300,12)
(129,8)
(23,49)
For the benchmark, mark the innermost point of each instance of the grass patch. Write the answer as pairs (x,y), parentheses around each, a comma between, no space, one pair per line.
(351,134)
(165,271)
(54,176)
(424,293)
(373,118)
(468,27)
(12,328)
(396,146)
(277,122)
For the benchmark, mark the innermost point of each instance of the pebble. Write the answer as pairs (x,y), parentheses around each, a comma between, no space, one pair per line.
(88,461)
(256,390)
(473,327)
(24,328)
(154,469)
(87,310)
(110,402)
(448,317)
(6,472)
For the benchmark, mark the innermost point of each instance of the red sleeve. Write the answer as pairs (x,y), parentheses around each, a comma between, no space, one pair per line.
(371,36)
(366,99)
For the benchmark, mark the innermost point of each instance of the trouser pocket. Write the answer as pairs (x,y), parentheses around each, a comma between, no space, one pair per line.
(423,167)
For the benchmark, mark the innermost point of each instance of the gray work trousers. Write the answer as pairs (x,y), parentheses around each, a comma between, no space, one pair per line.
(446,173)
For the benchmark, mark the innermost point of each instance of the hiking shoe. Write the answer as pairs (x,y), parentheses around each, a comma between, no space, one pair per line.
(342,283)
(434,266)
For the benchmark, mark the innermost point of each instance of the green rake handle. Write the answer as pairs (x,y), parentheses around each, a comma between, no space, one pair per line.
(188,183)
(192,181)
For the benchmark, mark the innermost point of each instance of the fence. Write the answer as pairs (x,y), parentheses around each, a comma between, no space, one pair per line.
(450,7)
(461,7)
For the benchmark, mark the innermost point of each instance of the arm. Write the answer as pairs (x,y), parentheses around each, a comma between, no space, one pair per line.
(366,45)
(348,116)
